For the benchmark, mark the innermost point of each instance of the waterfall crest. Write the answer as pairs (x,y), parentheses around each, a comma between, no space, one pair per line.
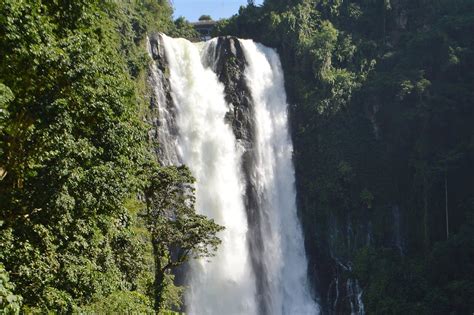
(267,276)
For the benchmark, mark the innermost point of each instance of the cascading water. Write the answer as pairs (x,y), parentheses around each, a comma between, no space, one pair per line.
(232,282)
(283,254)
(224,285)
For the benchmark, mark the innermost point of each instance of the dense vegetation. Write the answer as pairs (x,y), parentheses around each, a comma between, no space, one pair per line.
(87,215)
(381,94)
(381,104)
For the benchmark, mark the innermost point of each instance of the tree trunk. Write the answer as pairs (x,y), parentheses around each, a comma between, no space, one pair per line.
(426,214)
(446,197)
(159,283)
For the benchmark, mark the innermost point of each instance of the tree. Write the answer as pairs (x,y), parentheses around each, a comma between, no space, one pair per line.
(205,17)
(9,302)
(72,144)
(184,29)
(6,96)
(178,233)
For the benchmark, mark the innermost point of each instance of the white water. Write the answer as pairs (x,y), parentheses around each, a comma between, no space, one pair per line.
(226,283)
(283,254)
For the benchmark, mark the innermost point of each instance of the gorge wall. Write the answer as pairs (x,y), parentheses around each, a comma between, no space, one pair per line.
(382,129)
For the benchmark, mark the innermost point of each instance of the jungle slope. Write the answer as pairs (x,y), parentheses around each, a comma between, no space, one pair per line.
(78,178)
(383,127)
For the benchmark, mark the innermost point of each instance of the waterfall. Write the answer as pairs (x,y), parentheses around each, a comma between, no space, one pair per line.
(283,255)
(224,285)
(236,281)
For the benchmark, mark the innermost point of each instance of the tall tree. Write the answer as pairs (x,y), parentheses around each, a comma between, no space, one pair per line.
(178,233)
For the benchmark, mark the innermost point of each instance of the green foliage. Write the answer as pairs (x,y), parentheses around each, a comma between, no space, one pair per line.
(6,96)
(205,17)
(121,302)
(382,120)
(395,285)
(184,29)
(438,284)
(367,198)
(74,156)
(171,217)
(178,233)
(172,295)
(73,146)
(9,302)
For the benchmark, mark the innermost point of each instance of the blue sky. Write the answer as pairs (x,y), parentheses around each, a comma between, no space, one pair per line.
(193,9)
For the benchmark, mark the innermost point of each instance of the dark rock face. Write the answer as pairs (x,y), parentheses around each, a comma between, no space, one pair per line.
(156,49)
(162,115)
(330,269)
(229,65)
